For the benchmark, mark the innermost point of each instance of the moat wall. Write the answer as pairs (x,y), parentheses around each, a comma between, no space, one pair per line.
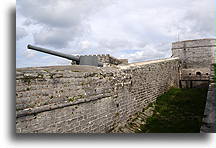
(209,117)
(86,99)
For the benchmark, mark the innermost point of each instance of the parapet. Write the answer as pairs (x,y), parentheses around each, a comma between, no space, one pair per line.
(194,43)
(195,53)
(108,60)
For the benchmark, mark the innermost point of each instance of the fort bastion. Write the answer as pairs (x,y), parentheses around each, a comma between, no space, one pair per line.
(88,99)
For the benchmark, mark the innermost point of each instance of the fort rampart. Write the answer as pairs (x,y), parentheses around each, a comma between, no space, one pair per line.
(87,99)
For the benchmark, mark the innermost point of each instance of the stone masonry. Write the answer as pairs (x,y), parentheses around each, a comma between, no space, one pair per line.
(209,114)
(87,99)
(196,57)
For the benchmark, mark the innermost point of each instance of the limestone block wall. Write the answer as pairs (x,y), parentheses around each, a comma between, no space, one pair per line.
(208,125)
(107,59)
(192,78)
(195,53)
(195,74)
(87,99)
(195,56)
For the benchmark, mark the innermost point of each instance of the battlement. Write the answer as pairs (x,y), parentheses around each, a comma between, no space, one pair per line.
(107,59)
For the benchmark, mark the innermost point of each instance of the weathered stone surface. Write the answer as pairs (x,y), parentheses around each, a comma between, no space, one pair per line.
(195,53)
(195,56)
(135,121)
(87,99)
(209,114)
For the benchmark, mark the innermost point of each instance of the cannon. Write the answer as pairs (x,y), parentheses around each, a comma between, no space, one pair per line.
(81,60)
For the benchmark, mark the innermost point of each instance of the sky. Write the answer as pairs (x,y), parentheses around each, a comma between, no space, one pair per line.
(138,30)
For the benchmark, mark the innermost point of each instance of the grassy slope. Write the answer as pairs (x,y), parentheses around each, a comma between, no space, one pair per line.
(177,111)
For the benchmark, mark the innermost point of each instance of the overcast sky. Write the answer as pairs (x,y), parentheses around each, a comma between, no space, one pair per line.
(135,29)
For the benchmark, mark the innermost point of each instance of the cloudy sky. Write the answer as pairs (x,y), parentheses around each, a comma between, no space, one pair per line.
(135,29)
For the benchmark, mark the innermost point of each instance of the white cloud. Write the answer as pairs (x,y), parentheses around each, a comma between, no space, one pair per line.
(149,52)
(61,20)
(29,53)
(85,44)
(20,33)
(138,30)
(55,37)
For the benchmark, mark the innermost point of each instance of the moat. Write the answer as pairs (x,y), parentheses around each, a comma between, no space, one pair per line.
(176,111)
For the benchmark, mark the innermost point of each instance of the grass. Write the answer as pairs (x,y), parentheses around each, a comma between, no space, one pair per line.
(177,111)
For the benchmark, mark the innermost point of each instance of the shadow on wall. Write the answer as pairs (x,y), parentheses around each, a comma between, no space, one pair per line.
(70,137)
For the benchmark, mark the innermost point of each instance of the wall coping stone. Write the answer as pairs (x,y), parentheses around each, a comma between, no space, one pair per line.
(146,63)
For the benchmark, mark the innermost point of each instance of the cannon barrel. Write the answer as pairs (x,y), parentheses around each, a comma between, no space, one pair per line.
(82,60)
(59,54)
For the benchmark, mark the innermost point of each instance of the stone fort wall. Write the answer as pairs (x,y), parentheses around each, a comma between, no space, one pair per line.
(87,99)
(196,57)
(195,53)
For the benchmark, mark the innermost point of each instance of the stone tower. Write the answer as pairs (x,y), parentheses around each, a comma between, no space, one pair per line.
(196,58)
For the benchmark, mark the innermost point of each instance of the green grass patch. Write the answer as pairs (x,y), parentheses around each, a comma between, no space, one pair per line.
(177,111)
